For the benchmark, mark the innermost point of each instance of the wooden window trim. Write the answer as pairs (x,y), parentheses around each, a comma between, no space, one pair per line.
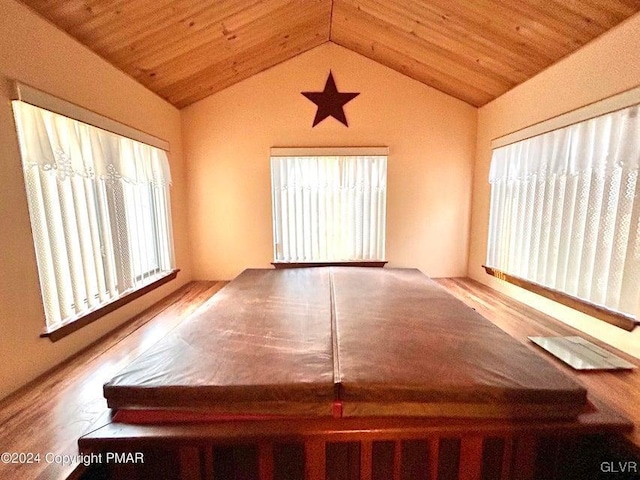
(356,263)
(618,319)
(60,332)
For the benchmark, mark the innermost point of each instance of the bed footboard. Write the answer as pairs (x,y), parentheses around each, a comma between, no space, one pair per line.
(357,449)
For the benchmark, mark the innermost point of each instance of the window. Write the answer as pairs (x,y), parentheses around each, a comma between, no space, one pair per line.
(565,210)
(99,208)
(328,208)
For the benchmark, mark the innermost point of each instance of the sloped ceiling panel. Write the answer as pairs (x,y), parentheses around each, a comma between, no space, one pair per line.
(185,50)
(472,50)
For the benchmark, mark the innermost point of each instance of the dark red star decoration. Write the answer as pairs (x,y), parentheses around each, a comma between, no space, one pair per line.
(330,102)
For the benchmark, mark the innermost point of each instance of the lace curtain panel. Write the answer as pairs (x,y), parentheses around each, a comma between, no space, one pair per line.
(565,210)
(99,207)
(329,208)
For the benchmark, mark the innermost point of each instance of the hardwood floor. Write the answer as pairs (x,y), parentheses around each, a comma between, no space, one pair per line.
(51,413)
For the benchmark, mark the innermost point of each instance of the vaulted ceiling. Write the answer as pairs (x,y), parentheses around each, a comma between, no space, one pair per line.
(474,50)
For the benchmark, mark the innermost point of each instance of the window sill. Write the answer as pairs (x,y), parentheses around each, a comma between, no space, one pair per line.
(357,263)
(60,332)
(601,313)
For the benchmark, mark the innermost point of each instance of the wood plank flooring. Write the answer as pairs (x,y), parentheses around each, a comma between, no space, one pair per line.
(51,413)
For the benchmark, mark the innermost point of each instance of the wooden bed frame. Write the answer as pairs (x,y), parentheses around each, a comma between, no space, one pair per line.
(138,444)
(358,449)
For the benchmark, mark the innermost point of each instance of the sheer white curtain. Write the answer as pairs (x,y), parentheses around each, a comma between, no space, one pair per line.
(565,210)
(329,208)
(99,207)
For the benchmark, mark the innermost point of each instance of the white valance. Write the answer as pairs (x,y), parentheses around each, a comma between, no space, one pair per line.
(603,143)
(70,147)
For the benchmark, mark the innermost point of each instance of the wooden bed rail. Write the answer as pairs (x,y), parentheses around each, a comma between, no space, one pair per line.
(388,450)
(468,458)
(316,459)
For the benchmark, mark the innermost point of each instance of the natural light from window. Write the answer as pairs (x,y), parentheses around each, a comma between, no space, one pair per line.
(328,208)
(99,208)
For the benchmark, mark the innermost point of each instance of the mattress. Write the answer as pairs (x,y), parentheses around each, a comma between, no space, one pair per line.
(373,342)
(406,345)
(262,344)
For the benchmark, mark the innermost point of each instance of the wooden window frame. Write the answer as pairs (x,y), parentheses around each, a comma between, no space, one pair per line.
(355,263)
(612,317)
(62,331)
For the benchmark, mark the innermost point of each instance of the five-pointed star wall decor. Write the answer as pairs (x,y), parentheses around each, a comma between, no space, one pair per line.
(330,102)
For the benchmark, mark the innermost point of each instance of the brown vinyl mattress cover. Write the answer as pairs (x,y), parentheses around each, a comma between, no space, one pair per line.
(378,341)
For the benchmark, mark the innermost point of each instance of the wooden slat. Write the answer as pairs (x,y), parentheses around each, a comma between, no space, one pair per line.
(535,36)
(397,459)
(215,38)
(580,27)
(376,33)
(207,464)
(72,14)
(524,459)
(265,461)
(470,458)
(476,27)
(585,13)
(434,458)
(190,463)
(543,34)
(507,459)
(315,459)
(220,76)
(366,460)
(234,49)
(423,22)
(111,28)
(377,17)
(410,67)
(159,32)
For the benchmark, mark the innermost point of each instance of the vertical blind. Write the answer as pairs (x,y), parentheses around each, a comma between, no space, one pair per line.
(565,210)
(329,208)
(99,208)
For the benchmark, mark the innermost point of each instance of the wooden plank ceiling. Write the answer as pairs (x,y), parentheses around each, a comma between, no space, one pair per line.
(474,50)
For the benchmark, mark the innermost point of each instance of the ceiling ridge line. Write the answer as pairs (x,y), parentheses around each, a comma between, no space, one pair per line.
(331,20)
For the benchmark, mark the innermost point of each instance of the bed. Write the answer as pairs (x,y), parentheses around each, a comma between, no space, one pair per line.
(340,368)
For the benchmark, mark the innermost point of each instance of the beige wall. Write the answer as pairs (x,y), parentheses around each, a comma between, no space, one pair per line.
(431,138)
(34,52)
(606,66)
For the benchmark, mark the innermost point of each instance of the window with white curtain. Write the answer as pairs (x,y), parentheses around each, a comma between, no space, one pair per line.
(99,208)
(565,210)
(328,208)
